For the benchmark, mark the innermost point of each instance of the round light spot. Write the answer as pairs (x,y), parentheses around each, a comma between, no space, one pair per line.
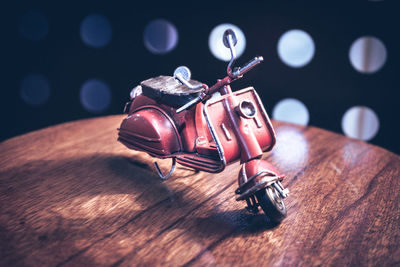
(361,123)
(160,36)
(35,89)
(296,48)
(33,25)
(218,48)
(291,147)
(367,54)
(96,30)
(291,110)
(95,96)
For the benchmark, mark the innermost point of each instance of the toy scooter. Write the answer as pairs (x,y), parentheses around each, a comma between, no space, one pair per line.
(176,117)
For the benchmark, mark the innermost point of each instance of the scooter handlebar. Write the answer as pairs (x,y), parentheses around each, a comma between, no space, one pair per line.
(248,66)
(208,91)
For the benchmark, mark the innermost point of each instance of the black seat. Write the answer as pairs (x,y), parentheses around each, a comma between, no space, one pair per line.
(167,90)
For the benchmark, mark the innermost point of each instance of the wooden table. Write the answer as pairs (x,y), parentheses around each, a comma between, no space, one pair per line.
(72,195)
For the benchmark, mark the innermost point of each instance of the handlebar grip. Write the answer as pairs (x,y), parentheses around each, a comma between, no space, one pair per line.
(248,66)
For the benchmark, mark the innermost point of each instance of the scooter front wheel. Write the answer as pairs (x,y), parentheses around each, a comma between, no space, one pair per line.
(272,203)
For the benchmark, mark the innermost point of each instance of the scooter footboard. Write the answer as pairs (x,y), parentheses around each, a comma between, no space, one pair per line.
(201,162)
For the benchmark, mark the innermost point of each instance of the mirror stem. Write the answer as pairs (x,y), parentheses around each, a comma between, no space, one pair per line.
(233,56)
(186,83)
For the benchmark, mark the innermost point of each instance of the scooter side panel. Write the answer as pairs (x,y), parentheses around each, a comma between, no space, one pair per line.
(149,130)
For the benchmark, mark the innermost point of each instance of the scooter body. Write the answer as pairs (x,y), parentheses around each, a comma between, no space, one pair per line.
(175,117)
(152,126)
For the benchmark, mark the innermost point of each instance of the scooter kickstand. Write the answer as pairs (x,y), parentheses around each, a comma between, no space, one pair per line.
(162,176)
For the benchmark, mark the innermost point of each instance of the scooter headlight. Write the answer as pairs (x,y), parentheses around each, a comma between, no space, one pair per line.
(247,109)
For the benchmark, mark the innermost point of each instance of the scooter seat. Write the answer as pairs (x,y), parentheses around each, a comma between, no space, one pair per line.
(169,91)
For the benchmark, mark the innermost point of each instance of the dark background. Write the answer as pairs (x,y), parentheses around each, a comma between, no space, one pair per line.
(328,85)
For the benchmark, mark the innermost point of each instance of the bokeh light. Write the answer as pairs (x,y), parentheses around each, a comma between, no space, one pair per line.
(217,47)
(35,89)
(296,48)
(160,36)
(367,54)
(291,148)
(95,96)
(33,25)
(96,30)
(291,110)
(361,123)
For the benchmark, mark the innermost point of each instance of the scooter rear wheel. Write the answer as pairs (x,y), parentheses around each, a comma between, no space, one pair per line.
(272,204)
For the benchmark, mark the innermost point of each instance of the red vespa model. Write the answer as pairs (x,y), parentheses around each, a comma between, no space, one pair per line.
(175,117)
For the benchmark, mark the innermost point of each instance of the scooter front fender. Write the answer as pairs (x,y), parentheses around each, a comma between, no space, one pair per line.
(255,175)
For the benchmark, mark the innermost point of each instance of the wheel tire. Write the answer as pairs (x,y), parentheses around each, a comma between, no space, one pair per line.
(272,204)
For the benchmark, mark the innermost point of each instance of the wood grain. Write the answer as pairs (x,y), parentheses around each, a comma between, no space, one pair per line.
(71,195)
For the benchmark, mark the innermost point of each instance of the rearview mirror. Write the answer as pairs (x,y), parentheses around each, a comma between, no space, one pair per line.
(182,72)
(230,40)
(225,38)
